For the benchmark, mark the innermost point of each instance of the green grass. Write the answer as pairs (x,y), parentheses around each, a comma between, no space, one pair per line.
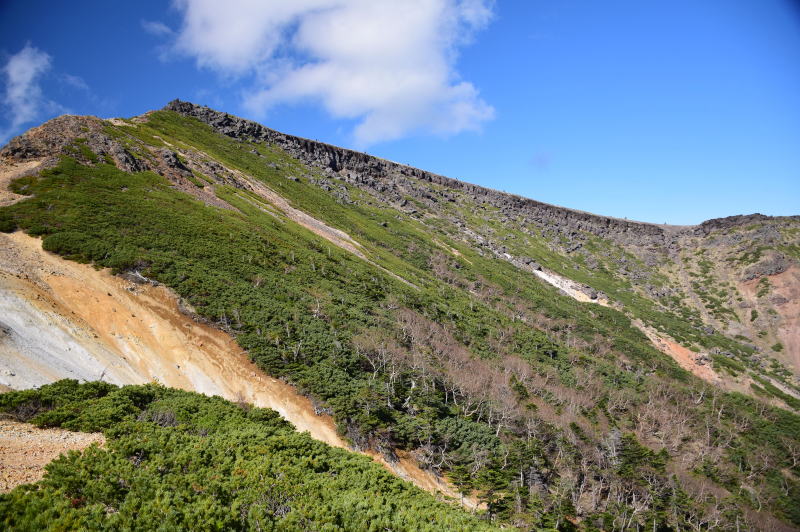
(763,287)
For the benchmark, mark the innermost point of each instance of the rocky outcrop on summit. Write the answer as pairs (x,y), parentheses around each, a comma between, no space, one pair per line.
(717,224)
(391,181)
(389,178)
(57,136)
(394,182)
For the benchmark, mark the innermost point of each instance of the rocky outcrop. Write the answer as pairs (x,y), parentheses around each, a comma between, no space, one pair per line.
(60,135)
(717,224)
(394,180)
(87,139)
(773,264)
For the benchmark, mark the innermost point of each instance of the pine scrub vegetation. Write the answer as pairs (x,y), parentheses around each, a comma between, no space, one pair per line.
(177,460)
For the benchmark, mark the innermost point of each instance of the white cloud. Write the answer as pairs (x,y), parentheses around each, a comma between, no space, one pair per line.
(388,64)
(23,95)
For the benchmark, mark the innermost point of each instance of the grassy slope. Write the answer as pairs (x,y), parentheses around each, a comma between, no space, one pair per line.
(176,460)
(296,302)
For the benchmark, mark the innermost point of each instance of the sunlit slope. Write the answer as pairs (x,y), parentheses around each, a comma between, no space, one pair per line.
(689,282)
(411,312)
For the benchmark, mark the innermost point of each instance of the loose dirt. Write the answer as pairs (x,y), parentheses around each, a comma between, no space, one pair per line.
(686,358)
(9,172)
(25,450)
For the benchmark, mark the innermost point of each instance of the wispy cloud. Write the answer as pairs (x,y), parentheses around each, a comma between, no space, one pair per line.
(79,86)
(23,96)
(75,82)
(154,27)
(388,65)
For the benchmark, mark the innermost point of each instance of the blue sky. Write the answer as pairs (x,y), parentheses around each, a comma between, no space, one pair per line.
(670,112)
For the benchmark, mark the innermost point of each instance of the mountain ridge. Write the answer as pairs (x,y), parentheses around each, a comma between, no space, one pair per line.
(338,157)
(452,323)
(567,232)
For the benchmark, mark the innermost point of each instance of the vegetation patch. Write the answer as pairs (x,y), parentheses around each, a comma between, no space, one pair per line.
(176,460)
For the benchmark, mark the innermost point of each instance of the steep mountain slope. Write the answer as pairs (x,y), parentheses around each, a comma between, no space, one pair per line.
(535,355)
(64,320)
(699,273)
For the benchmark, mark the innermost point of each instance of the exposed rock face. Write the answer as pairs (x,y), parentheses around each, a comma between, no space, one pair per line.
(171,159)
(51,139)
(716,224)
(774,264)
(392,181)
(388,178)
(48,139)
